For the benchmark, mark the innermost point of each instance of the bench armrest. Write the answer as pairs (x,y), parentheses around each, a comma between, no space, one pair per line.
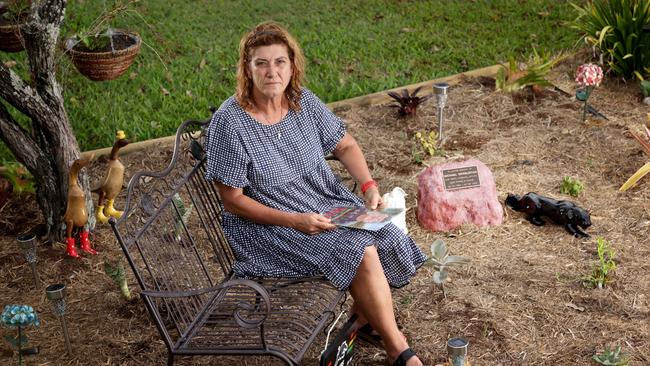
(241,306)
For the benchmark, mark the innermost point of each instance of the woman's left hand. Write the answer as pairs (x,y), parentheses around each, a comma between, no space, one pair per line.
(373,198)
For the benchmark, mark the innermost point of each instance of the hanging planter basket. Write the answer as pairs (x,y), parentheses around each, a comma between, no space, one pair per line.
(109,61)
(13,15)
(10,38)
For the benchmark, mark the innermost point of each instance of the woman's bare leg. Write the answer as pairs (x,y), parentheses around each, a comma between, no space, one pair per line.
(372,298)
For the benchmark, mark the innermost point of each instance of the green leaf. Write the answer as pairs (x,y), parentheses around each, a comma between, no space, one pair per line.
(439,277)
(456,259)
(439,250)
(12,341)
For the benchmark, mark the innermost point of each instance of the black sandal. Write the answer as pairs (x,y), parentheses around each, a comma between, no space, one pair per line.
(403,357)
(370,336)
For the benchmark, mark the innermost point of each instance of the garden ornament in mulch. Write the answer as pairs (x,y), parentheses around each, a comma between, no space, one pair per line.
(457,351)
(27,243)
(111,186)
(20,316)
(440,91)
(56,294)
(76,213)
(588,76)
(560,212)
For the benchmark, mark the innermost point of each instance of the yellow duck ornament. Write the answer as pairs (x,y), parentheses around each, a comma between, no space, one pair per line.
(76,213)
(112,183)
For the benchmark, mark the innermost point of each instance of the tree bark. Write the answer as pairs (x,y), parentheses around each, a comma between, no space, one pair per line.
(50,147)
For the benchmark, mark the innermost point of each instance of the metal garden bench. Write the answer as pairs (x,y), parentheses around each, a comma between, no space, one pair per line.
(171,235)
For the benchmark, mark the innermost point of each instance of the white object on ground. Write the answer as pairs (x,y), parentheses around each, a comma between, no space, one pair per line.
(396,199)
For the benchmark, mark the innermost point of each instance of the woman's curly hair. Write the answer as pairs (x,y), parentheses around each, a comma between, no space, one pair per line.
(266,34)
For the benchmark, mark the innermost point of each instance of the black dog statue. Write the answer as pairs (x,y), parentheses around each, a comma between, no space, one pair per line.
(560,212)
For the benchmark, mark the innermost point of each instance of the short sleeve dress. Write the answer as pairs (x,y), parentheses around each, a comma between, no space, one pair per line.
(283,166)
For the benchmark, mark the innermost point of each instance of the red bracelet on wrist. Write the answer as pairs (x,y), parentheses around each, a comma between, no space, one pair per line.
(367,185)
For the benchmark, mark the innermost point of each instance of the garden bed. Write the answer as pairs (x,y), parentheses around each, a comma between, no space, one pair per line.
(521,301)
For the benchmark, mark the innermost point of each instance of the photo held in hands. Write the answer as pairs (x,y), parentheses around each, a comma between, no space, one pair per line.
(361,217)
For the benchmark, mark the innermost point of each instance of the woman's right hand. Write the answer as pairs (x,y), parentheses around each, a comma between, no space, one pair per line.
(312,223)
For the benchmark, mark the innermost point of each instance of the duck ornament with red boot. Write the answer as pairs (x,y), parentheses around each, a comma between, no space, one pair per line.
(112,183)
(76,213)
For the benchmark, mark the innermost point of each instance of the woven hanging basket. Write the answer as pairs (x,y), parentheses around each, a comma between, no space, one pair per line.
(108,64)
(10,38)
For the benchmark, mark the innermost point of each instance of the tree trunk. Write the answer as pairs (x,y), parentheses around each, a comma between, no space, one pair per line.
(49,148)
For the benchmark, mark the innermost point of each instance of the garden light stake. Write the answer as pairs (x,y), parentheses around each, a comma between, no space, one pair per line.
(27,243)
(457,351)
(56,294)
(440,91)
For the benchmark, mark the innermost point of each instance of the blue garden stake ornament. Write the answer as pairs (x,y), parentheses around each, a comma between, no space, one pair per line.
(20,316)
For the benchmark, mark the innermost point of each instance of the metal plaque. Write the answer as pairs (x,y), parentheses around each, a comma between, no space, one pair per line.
(461,178)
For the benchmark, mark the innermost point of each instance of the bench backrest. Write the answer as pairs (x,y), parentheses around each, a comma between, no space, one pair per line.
(171,235)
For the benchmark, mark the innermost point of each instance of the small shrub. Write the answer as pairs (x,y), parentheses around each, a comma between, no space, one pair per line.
(601,273)
(425,144)
(441,260)
(180,218)
(512,77)
(572,187)
(645,87)
(407,104)
(611,357)
(117,274)
(20,178)
(14,9)
(615,28)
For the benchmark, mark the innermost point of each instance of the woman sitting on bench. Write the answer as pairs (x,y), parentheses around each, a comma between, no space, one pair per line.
(266,149)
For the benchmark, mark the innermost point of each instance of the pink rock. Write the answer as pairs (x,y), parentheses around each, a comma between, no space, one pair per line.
(444,209)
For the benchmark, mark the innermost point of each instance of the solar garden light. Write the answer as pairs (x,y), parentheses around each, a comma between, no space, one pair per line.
(56,294)
(27,243)
(457,351)
(440,91)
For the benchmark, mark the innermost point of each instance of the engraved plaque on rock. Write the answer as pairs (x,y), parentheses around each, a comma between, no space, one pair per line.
(461,178)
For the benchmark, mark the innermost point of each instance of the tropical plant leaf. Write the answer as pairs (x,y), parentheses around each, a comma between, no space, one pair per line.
(635,177)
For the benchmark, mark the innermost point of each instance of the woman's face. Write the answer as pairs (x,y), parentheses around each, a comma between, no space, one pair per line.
(270,68)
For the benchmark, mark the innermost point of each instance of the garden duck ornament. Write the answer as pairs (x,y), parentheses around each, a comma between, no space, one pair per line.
(76,213)
(112,183)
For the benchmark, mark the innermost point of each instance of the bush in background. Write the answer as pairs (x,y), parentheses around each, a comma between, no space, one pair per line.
(615,28)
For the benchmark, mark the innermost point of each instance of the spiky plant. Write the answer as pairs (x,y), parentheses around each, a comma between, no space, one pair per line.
(407,104)
(512,77)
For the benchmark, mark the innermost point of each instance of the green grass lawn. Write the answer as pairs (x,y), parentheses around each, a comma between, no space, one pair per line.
(352,47)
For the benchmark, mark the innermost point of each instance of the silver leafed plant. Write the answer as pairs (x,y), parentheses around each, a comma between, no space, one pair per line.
(441,260)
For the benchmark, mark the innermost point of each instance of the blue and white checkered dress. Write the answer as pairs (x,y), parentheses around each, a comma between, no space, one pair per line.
(283,166)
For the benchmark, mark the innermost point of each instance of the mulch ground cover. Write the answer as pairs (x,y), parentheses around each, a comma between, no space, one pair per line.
(522,299)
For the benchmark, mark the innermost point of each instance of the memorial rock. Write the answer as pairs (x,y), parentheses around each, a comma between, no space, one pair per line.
(455,193)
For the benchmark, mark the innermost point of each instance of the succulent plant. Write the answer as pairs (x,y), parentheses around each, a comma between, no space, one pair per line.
(571,186)
(117,274)
(612,357)
(182,217)
(440,260)
(407,104)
